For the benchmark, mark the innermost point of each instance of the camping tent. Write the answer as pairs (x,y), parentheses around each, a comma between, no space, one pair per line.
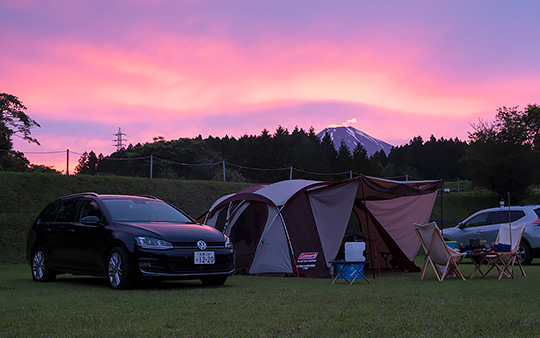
(297,227)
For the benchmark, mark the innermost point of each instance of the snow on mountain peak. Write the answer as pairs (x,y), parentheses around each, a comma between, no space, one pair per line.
(352,136)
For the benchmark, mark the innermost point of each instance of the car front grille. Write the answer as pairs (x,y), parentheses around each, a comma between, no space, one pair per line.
(193,245)
(185,265)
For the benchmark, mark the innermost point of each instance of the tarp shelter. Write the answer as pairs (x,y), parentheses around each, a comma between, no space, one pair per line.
(297,227)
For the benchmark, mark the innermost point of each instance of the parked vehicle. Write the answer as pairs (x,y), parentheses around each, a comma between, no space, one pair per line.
(484,226)
(125,238)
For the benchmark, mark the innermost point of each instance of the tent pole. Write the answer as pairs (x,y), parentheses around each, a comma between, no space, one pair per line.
(230,215)
(260,243)
(289,241)
(226,225)
(370,231)
(509,219)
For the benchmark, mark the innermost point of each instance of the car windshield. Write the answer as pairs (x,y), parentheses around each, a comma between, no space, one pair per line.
(138,210)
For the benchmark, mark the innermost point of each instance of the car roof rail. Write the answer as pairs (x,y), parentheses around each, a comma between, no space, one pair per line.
(149,196)
(82,194)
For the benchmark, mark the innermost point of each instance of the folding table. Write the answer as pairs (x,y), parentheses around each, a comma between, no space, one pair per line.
(356,265)
(478,258)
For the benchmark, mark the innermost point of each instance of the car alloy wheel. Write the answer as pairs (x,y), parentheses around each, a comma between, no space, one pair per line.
(40,270)
(524,254)
(119,269)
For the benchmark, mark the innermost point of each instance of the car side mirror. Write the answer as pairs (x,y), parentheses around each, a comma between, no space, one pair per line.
(461,226)
(91,220)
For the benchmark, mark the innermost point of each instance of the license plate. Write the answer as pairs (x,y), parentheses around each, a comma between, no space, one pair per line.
(204,257)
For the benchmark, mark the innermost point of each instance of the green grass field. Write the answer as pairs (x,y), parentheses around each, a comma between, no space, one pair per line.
(396,304)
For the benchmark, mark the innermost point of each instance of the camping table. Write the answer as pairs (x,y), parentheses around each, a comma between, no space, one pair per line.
(344,264)
(477,258)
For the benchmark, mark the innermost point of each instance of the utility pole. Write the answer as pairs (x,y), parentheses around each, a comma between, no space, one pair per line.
(119,145)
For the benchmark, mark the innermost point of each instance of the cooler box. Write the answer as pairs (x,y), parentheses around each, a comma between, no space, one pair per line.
(354,251)
(451,244)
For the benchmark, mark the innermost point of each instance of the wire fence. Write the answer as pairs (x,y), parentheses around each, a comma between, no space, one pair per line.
(225,165)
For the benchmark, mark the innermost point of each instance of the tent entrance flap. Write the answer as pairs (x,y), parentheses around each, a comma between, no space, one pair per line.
(272,254)
(244,230)
(331,209)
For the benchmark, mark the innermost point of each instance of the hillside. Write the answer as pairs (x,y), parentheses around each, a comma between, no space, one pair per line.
(23,195)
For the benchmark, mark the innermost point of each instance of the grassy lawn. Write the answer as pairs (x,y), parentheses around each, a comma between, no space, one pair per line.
(396,304)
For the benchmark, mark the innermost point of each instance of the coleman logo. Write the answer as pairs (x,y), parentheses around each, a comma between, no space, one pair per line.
(308,256)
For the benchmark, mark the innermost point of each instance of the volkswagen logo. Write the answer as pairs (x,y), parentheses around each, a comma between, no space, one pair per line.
(201,245)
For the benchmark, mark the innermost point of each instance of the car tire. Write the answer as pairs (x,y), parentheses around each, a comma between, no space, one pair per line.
(41,272)
(120,272)
(214,281)
(524,253)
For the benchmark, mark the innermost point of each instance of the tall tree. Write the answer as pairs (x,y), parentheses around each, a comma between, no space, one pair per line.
(362,163)
(88,163)
(503,154)
(13,121)
(344,158)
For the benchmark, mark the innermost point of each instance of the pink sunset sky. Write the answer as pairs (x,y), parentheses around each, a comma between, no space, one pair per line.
(172,68)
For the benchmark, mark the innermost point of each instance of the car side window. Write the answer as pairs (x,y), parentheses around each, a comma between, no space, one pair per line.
(89,208)
(48,214)
(478,220)
(67,211)
(499,217)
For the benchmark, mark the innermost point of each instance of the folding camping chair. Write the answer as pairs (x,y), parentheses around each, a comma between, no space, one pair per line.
(504,261)
(437,252)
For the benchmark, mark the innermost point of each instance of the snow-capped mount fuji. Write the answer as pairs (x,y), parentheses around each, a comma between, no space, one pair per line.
(352,136)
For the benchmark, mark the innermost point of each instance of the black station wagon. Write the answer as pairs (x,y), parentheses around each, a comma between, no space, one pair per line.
(125,238)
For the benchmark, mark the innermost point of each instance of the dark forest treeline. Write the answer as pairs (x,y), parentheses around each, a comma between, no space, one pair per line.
(502,156)
(269,157)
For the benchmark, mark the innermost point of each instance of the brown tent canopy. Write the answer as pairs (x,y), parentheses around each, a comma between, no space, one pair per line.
(297,227)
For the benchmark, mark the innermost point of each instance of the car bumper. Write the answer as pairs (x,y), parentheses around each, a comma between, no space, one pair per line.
(180,264)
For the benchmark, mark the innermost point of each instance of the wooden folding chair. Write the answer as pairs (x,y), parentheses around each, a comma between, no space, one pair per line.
(504,262)
(437,252)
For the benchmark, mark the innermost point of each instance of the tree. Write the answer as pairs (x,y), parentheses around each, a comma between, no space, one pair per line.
(503,154)
(13,121)
(362,163)
(503,168)
(434,159)
(327,154)
(88,164)
(344,158)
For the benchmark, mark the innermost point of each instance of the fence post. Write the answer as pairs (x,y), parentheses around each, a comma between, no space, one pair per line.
(151,166)
(350,174)
(290,174)
(224,180)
